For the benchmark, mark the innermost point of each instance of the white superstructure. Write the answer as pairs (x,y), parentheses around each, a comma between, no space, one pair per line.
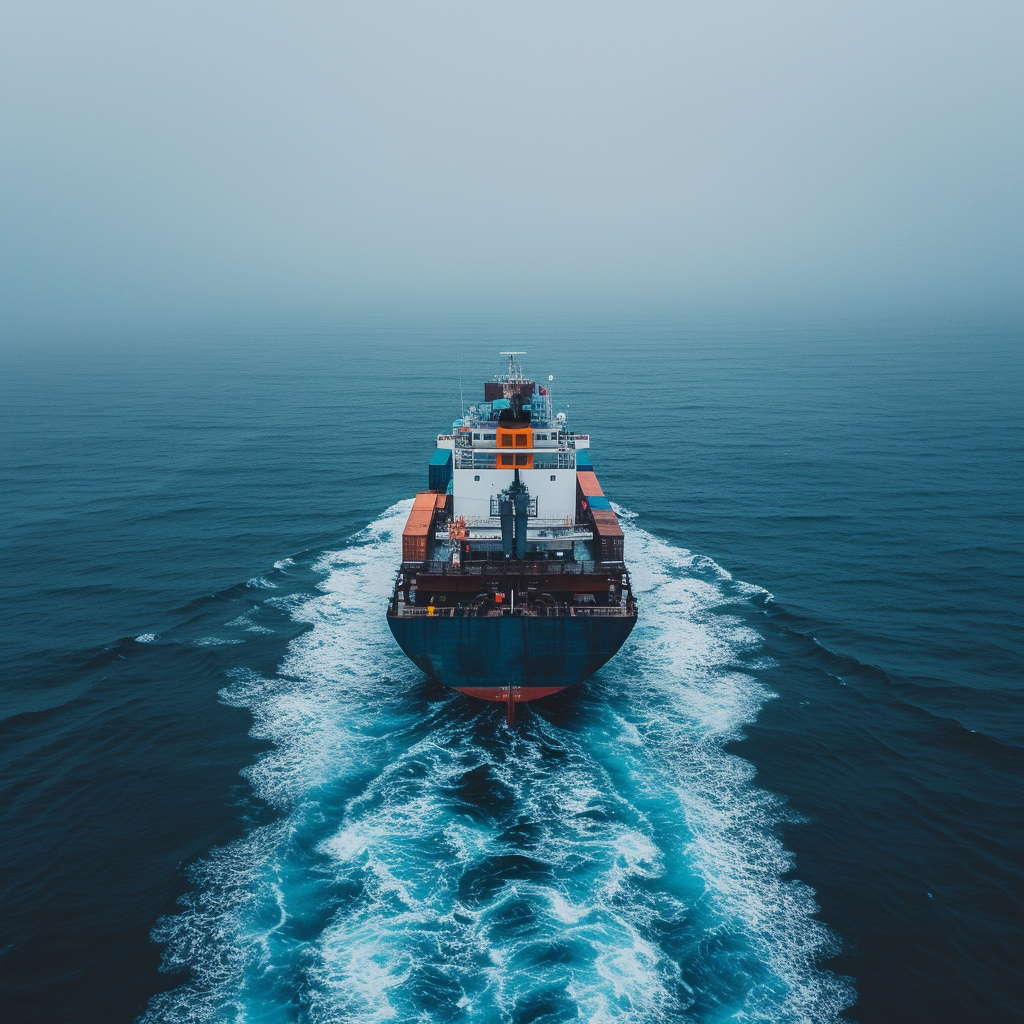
(515,431)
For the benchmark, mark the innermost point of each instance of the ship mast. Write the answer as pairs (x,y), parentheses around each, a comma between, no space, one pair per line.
(514,372)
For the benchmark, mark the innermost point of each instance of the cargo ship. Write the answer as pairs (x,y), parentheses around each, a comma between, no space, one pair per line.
(513,583)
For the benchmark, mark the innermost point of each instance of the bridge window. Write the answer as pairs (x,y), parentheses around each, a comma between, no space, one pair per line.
(521,441)
(506,460)
(477,478)
(553,478)
(521,460)
(506,440)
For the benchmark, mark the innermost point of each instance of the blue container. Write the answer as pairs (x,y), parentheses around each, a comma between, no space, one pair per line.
(583,459)
(439,470)
(599,501)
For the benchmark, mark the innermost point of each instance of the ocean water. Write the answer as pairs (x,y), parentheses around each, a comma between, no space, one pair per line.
(795,795)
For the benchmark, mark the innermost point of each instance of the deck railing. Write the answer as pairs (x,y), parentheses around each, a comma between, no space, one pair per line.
(487,458)
(512,568)
(558,611)
(536,523)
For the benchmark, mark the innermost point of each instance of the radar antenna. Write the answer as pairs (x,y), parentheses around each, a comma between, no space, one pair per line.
(512,374)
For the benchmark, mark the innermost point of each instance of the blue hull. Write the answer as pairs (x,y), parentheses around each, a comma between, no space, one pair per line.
(511,657)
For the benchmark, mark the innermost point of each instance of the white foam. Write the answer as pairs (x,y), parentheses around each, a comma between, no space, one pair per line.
(244,621)
(699,701)
(312,712)
(261,583)
(630,826)
(411,856)
(145,638)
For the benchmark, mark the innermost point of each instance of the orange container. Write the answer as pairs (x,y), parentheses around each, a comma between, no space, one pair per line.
(587,485)
(416,534)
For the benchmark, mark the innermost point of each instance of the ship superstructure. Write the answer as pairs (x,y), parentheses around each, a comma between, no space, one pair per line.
(513,584)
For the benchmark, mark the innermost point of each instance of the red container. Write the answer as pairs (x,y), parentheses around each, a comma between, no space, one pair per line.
(609,543)
(499,389)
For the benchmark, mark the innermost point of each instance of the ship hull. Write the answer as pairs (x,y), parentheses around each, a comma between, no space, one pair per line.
(510,657)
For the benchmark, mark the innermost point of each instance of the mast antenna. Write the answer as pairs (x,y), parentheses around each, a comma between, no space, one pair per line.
(512,362)
(462,400)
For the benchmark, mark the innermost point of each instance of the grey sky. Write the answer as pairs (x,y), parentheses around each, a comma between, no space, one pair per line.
(179,158)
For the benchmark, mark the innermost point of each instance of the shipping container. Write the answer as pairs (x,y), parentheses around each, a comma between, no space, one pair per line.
(609,543)
(439,470)
(610,549)
(497,389)
(587,485)
(599,501)
(416,536)
(583,460)
(605,523)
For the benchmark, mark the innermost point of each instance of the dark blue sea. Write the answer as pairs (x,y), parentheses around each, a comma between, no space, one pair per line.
(796,795)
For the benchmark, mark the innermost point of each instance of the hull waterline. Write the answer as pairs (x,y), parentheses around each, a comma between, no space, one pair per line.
(511,657)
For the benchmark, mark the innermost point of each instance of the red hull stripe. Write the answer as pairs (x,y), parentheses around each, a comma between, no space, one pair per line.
(519,693)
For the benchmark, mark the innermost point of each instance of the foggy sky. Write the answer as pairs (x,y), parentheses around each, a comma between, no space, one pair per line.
(171,159)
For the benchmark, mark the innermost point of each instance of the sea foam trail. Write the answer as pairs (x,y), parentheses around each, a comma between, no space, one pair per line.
(606,861)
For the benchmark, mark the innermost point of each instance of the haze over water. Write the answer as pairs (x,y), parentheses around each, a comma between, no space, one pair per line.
(226,160)
(772,260)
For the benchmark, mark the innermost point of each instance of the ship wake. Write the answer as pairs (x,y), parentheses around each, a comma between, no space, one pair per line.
(606,860)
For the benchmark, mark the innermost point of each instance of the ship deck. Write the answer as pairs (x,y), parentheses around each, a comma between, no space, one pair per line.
(528,588)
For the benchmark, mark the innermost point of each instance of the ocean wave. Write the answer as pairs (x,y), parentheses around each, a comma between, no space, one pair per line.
(244,621)
(606,860)
(261,583)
